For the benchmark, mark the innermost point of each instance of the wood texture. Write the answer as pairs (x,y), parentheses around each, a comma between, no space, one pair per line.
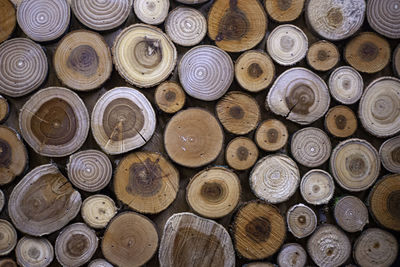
(146,182)
(283,10)
(82,60)
(384,202)
(34,252)
(292,255)
(367,52)
(131,239)
(206,72)
(317,187)
(2,200)
(152,12)
(299,95)
(7,19)
(99,263)
(271,135)
(383,17)
(254,70)
(329,246)
(238,112)
(214,192)
(275,178)
(43,20)
(335,19)
(24,67)
(340,121)
(143,55)
(241,153)
(238,25)
(186,26)
(54,122)
(389,154)
(190,240)
(396,61)
(8,237)
(122,120)
(310,147)
(75,245)
(301,220)
(101,15)
(170,97)
(7,262)
(193,138)
(13,155)
(346,85)
(323,55)
(355,164)
(351,214)
(4,109)
(258,230)
(192,2)
(98,210)
(43,201)
(379,109)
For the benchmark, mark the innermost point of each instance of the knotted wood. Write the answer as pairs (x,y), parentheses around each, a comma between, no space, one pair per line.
(287,44)
(355,164)
(271,135)
(396,60)
(351,214)
(143,55)
(237,25)
(259,230)
(89,170)
(238,112)
(101,15)
(146,182)
(293,255)
(323,55)
(186,26)
(34,252)
(367,52)
(190,240)
(122,120)
(335,19)
(82,60)
(23,67)
(254,70)
(274,178)
(13,155)
(379,109)
(214,192)
(4,109)
(130,240)
(340,121)
(151,11)
(43,20)
(241,153)
(100,263)
(206,72)
(98,210)
(317,187)
(193,138)
(284,10)
(383,17)
(384,202)
(301,220)
(43,201)
(375,247)
(170,97)
(310,147)
(7,19)
(329,246)
(8,237)
(299,95)
(75,245)
(389,154)
(54,122)
(346,85)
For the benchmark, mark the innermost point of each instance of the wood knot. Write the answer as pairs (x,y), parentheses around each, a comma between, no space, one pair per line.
(254,70)
(322,55)
(170,96)
(272,136)
(242,153)
(340,122)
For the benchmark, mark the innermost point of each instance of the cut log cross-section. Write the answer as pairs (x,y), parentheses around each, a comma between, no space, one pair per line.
(237,25)
(271,135)
(346,85)
(2,200)
(323,55)
(170,97)
(43,201)
(190,240)
(98,210)
(293,255)
(341,121)
(7,262)
(351,214)
(390,154)
(151,12)
(383,16)
(146,181)
(396,61)
(7,19)
(284,10)
(34,252)
(4,109)
(301,220)
(241,153)
(259,230)
(8,237)
(317,187)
